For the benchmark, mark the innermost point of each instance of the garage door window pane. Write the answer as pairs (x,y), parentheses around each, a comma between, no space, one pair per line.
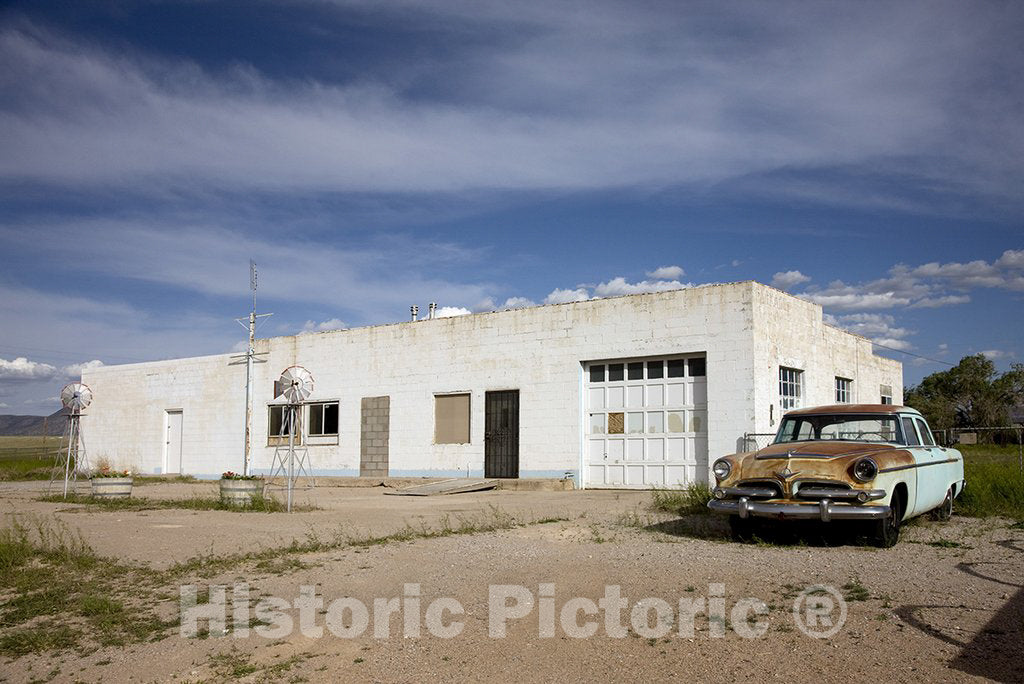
(677,368)
(597,373)
(676,421)
(451,419)
(615,423)
(655,369)
(634,423)
(597,423)
(615,371)
(636,371)
(698,367)
(656,422)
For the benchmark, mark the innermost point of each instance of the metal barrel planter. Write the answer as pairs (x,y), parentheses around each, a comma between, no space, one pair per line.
(240,492)
(111,487)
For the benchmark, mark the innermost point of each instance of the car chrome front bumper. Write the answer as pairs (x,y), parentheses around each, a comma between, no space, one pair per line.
(824,510)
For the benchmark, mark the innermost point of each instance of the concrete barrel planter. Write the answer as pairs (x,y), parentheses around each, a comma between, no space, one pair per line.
(111,487)
(240,492)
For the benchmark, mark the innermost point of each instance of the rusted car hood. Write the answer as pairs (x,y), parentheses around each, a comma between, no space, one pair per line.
(824,449)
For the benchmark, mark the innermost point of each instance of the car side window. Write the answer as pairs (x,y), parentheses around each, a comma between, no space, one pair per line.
(926,434)
(909,433)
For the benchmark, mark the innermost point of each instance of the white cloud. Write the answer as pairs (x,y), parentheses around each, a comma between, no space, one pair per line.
(937,302)
(559,296)
(23,370)
(784,280)
(619,286)
(879,328)
(666,273)
(450,311)
(4,406)
(322,326)
(75,370)
(851,301)
(736,262)
(622,96)
(996,354)
(518,303)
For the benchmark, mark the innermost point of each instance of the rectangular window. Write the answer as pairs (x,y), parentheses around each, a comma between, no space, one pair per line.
(635,371)
(277,425)
(597,373)
(655,370)
(323,419)
(451,419)
(926,434)
(844,390)
(886,392)
(698,367)
(616,423)
(615,371)
(790,387)
(676,368)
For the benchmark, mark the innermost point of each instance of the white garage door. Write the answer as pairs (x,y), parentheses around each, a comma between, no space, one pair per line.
(647,422)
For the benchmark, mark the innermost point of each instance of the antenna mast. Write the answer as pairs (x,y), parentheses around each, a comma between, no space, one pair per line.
(250,358)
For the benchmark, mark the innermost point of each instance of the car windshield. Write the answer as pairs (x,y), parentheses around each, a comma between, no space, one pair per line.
(882,428)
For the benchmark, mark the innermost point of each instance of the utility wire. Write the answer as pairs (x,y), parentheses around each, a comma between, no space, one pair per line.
(926,358)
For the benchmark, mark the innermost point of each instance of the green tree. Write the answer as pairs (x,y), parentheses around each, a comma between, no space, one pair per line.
(971,394)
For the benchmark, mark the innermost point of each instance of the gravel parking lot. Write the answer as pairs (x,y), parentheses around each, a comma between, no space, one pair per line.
(946,604)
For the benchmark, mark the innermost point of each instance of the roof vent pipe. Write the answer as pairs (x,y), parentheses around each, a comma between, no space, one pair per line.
(433,310)
(414,311)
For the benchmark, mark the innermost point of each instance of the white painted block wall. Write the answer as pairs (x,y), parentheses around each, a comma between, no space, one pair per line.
(744,329)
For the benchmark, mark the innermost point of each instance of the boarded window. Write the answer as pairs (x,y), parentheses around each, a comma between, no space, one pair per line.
(615,423)
(323,418)
(451,419)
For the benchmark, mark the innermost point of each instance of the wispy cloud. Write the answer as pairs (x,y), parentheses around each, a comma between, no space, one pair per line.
(611,97)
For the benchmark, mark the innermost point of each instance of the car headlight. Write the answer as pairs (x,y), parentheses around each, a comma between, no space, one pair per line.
(865,470)
(721,469)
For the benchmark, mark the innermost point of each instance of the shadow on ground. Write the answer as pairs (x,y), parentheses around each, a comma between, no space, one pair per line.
(767,532)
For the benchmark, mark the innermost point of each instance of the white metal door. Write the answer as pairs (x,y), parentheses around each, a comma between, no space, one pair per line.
(647,421)
(172,446)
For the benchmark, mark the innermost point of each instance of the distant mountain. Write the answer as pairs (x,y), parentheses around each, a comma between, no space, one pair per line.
(27,426)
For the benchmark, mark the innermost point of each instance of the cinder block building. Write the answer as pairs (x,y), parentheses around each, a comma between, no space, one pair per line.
(635,391)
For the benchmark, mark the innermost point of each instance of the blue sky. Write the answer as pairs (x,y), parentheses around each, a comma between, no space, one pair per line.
(372,155)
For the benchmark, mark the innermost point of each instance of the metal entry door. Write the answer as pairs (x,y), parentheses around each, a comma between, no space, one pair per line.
(501,434)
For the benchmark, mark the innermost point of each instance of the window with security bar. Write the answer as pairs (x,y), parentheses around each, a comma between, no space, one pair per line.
(790,387)
(844,390)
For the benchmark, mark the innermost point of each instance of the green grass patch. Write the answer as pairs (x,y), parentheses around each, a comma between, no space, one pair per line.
(995,485)
(855,591)
(260,504)
(65,596)
(693,500)
(27,458)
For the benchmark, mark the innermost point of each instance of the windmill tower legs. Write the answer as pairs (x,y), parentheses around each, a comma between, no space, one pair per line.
(71,459)
(291,461)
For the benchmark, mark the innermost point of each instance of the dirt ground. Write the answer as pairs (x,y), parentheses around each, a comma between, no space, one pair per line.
(946,604)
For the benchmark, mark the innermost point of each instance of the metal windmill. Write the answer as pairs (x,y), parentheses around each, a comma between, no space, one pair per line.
(291,461)
(72,460)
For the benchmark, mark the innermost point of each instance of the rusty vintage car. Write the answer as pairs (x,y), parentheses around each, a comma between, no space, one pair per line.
(873,462)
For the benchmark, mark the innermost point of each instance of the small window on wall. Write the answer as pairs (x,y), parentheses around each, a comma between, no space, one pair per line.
(676,368)
(615,372)
(451,419)
(323,419)
(886,392)
(277,425)
(790,387)
(698,367)
(844,390)
(635,371)
(597,373)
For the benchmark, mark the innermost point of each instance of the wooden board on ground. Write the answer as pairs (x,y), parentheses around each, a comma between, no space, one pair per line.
(453,486)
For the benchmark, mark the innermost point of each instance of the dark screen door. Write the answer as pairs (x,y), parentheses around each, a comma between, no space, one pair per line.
(501,434)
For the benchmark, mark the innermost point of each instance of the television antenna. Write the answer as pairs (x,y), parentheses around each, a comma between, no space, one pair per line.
(251,356)
(291,461)
(72,460)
